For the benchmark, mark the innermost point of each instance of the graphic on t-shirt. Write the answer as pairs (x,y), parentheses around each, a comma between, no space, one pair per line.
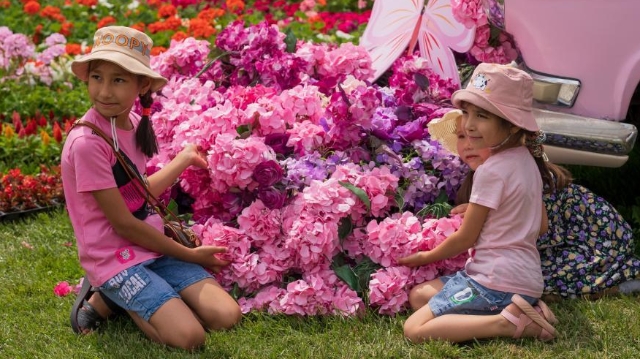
(132,195)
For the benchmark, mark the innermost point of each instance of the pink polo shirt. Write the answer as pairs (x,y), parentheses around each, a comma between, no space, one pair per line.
(88,164)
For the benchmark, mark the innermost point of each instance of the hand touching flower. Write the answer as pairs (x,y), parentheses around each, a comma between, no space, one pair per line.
(194,156)
(415,260)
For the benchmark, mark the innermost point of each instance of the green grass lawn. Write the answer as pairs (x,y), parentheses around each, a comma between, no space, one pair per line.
(34,323)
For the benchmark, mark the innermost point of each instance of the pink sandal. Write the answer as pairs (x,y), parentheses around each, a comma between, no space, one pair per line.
(529,315)
(542,308)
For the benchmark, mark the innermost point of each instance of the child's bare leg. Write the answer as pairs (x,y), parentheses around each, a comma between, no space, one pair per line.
(174,324)
(422,326)
(215,308)
(419,295)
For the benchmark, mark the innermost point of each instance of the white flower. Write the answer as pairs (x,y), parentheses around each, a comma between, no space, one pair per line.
(134,5)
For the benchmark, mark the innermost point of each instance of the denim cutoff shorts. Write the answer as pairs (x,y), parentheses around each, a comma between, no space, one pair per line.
(463,295)
(145,287)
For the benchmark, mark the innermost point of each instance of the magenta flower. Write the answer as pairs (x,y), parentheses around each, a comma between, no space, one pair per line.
(278,142)
(268,173)
(62,289)
(272,197)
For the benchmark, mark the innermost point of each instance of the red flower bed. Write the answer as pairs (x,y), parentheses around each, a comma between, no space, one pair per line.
(19,192)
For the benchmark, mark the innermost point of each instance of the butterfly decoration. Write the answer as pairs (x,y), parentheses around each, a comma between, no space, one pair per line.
(399,25)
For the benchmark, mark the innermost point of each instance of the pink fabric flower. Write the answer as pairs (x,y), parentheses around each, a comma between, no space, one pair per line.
(62,289)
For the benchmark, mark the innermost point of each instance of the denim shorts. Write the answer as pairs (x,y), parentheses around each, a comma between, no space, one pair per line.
(463,295)
(145,287)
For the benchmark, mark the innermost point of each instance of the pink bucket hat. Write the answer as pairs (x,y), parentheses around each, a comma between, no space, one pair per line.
(125,47)
(444,129)
(502,90)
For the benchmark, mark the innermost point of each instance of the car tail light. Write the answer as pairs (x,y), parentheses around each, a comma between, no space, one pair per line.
(495,12)
(554,90)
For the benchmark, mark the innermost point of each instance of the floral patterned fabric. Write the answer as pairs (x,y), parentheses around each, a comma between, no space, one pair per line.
(589,246)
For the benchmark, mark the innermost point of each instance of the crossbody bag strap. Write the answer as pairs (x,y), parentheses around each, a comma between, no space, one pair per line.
(133,175)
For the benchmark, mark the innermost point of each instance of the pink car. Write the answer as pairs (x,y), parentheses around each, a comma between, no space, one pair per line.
(584,56)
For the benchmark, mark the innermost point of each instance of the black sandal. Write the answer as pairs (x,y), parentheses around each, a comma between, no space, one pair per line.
(83,315)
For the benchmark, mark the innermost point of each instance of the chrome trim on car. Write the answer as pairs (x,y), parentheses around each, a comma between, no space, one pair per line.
(586,134)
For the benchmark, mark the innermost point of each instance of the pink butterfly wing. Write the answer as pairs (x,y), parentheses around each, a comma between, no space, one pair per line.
(389,31)
(440,32)
(439,55)
(443,25)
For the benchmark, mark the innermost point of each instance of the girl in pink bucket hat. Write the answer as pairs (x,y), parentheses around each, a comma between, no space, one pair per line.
(128,261)
(495,294)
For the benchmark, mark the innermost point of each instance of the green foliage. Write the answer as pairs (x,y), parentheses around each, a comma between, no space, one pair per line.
(355,275)
(27,99)
(345,6)
(28,153)
(362,195)
(438,209)
(345,227)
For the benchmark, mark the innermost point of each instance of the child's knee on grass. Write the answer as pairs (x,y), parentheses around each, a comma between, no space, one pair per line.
(417,299)
(222,316)
(420,295)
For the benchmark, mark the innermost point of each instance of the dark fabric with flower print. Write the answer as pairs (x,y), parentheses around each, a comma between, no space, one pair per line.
(589,246)
(125,186)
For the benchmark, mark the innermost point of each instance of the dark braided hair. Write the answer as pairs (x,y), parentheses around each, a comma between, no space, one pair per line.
(145,137)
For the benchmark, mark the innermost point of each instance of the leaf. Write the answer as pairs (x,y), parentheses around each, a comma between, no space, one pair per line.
(435,210)
(236,292)
(243,131)
(291,40)
(345,273)
(399,198)
(362,195)
(443,197)
(363,272)
(173,206)
(344,228)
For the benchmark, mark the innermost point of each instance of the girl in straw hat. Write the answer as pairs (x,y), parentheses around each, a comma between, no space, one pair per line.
(161,284)
(494,295)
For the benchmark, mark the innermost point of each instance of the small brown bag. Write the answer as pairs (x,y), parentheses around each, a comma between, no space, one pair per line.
(174,228)
(181,233)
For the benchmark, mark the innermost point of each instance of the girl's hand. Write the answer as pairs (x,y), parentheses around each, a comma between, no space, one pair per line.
(415,260)
(205,256)
(193,156)
(460,209)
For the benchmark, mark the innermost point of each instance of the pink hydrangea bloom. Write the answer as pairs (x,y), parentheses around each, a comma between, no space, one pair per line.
(260,223)
(232,161)
(387,289)
(395,237)
(305,137)
(469,12)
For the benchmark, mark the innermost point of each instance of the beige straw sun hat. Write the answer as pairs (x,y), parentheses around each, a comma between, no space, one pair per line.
(443,130)
(125,47)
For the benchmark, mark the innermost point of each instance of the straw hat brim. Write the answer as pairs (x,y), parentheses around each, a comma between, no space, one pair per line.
(80,67)
(443,130)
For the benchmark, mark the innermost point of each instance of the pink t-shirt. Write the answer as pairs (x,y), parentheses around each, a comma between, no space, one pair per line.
(89,164)
(505,256)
